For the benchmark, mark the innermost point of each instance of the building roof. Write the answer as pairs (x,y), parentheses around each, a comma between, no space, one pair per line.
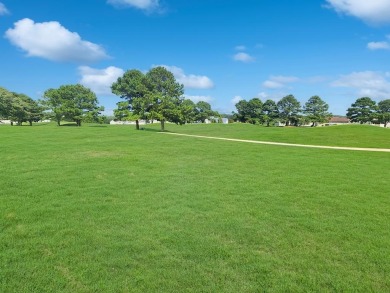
(338,119)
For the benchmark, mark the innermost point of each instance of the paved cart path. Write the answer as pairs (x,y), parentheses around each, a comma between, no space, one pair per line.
(283,144)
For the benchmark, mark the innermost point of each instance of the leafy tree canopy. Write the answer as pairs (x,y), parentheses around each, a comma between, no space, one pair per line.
(362,111)
(72,102)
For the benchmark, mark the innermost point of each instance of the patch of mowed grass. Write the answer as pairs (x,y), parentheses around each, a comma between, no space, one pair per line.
(341,135)
(111,209)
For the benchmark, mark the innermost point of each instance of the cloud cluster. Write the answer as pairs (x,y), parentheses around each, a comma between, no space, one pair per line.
(140,4)
(277,82)
(52,41)
(100,80)
(190,81)
(372,11)
(3,9)
(366,83)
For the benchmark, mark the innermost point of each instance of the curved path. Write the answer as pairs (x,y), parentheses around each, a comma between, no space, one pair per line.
(284,144)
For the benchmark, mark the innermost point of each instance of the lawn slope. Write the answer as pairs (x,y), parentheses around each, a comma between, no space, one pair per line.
(111,209)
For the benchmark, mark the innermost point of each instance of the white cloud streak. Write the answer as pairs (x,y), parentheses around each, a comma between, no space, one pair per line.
(243,57)
(277,82)
(378,46)
(236,99)
(3,9)
(366,83)
(190,81)
(140,4)
(372,11)
(100,80)
(52,41)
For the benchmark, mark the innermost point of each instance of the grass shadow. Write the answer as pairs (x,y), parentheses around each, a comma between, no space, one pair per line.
(152,129)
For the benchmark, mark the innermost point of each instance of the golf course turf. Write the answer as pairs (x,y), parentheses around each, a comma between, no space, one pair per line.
(103,208)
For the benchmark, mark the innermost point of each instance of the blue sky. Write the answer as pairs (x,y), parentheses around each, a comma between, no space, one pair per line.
(221,50)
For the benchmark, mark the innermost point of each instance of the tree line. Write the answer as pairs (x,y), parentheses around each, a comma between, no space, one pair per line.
(156,95)
(315,111)
(288,110)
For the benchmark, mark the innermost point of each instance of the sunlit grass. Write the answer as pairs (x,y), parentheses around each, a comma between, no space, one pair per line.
(111,209)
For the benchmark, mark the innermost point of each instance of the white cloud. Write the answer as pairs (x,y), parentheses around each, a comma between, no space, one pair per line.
(99,80)
(240,48)
(277,82)
(196,99)
(378,46)
(373,11)
(366,83)
(140,4)
(243,57)
(236,99)
(50,40)
(3,9)
(190,81)
(262,95)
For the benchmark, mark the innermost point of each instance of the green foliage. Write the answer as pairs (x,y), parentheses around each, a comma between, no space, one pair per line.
(165,96)
(249,111)
(316,110)
(72,102)
(19,107)
(133,87)
(362,111)
(289,109)
(384,111)
(270,112)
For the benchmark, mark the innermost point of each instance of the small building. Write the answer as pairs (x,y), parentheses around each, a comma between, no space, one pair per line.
(338,120)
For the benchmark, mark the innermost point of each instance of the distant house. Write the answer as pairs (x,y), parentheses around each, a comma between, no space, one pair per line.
(338,120)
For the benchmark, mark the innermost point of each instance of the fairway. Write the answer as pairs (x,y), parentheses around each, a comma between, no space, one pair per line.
(110,209)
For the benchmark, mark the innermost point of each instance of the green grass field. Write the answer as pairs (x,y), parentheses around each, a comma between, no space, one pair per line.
(111,209)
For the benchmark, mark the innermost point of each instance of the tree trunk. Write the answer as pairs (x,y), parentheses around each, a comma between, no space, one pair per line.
(12,123)
(137,124)
(162,125)
(30,123)
(58,122)
(268,123)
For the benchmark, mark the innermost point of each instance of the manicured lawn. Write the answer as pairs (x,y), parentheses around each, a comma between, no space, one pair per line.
(111,209)
(342,135)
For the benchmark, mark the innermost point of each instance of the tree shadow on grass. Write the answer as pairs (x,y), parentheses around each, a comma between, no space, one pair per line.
(152,129)
(97,126)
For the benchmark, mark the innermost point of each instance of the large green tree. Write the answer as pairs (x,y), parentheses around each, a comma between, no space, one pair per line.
(19,107)
(203,111)
(362,111)
(165,96)
(270,112)
(133,87)
(6,98)
(289,108)
(316,110)
(384,111)
(72,102)
(249,111)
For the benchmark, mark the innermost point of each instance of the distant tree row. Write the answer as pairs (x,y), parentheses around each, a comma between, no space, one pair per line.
(156,95)
(19,108)
(288,110)
(69,102)
(366,110)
